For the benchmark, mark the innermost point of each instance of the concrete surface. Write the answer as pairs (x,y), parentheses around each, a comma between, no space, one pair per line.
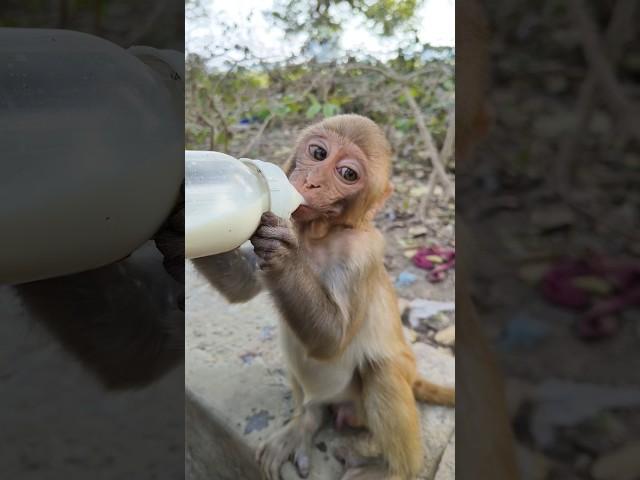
(237,392)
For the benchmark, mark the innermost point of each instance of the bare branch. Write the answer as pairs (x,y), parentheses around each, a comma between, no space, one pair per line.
(432,150)
(255,139)
(616,35)
(595,54)
(446,152)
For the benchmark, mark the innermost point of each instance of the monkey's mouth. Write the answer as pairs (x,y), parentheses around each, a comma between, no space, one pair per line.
(304,212)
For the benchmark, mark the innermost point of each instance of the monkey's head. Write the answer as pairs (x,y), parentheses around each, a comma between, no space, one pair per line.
(341,167)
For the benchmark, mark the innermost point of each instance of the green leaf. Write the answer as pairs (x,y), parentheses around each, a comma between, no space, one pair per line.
(313,110)
(281,110)
(328,110)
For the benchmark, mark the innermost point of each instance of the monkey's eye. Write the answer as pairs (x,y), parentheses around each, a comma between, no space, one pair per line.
(348,174)
(317,152)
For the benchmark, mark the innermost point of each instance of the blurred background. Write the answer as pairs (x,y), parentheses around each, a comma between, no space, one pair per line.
(157,23)
(553,200)
(91,365)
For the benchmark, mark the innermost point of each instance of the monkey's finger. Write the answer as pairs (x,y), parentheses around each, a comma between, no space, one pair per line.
(284,234)
(271,219)
(274,468)
(262,246)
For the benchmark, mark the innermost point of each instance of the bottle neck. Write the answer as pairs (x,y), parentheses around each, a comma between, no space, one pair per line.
(266,188)
(168,65)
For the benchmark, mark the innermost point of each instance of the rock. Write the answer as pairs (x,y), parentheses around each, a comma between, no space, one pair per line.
(447,467)
(561,403)
(410,335)
(532,465)
(434,365)
(446,336)
(438,423)
(621,464)
(403,304)
(426,312)
(418,231)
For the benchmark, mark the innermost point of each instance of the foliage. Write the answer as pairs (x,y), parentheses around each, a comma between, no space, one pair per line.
(321,20)
(219,103)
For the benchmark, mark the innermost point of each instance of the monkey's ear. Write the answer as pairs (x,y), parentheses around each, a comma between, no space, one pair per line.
(388,190)
(289,165)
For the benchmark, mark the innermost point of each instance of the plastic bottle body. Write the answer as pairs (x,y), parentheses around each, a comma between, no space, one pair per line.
(225,198)
(91,152)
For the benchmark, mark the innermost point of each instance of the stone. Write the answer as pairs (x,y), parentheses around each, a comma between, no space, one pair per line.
(430,313)
(446,336)
(447,466)
(621,464)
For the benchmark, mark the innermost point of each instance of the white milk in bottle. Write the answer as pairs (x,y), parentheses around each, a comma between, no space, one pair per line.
(225,198)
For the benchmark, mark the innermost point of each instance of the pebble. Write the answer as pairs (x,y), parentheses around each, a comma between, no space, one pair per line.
(446,336)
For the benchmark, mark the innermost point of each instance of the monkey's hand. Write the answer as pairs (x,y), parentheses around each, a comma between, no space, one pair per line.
(274,242)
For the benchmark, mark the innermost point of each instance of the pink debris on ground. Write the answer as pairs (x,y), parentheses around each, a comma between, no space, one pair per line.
(598,320)
(437,269)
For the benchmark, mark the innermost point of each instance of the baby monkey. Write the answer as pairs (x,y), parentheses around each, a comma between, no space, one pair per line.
(341,330)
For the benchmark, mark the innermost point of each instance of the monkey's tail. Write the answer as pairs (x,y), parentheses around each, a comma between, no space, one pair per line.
(425,391)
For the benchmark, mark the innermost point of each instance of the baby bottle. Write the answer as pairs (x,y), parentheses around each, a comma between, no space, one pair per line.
(225,198)
(92,148)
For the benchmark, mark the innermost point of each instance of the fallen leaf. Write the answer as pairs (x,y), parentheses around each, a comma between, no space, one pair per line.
(435,258)
(593,284)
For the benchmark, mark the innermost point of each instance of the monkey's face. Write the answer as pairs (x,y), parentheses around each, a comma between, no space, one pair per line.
(329,172)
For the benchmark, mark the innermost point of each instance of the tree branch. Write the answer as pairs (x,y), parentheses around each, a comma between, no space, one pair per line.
(596,56)
(432,150)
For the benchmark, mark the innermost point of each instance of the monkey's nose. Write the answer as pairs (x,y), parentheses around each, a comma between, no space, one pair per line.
(311,186)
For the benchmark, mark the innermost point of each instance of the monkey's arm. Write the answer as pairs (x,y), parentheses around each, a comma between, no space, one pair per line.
(316,308)
(234,274)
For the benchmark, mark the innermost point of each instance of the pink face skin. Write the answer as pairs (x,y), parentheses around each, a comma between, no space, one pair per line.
(328,171)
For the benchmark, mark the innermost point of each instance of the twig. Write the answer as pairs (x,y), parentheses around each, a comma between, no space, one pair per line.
(446,152)
(595,54)
(616,34)
(432,150)
(152,18)
(248,148)
(227,131)
(424,202)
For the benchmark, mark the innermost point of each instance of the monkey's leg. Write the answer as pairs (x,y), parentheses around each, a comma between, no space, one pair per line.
(294,440)
(393,420)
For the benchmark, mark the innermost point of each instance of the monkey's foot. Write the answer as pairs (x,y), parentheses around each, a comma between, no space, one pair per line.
(371,472)
(291,442)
